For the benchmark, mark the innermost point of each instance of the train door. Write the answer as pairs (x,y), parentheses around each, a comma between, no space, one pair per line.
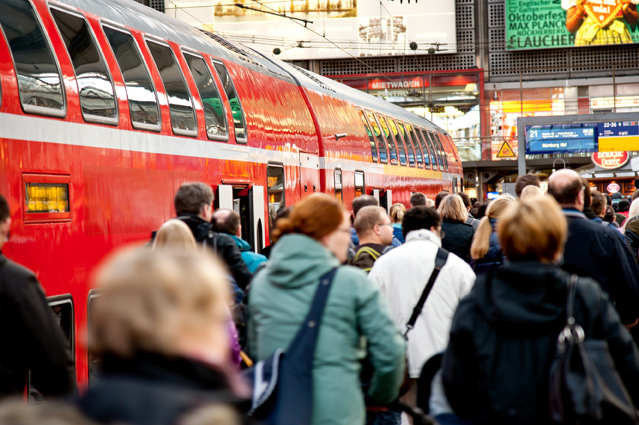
(248,202)
(376,195)
(309,173)
(386,200)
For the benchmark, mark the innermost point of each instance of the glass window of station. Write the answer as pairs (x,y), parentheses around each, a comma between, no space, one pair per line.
(448,99)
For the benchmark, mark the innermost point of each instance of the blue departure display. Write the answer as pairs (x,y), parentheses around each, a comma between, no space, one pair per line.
(561,138)
(618,129)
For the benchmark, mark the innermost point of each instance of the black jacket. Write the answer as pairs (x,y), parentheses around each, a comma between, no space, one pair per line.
(457,238)
(155,390)
(31,339)
(223,245)
(632,236)
(595,251)
(503,341)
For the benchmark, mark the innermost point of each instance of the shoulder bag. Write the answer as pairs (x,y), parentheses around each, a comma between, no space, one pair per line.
(585,386)
(283,382)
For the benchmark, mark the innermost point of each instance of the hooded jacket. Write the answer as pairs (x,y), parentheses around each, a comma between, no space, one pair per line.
(503,341)
(252,259)
(279,299)
(457,238)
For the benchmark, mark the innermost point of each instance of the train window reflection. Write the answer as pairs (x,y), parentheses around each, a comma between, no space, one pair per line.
(409,144)
(391,142)
(275,192)
(398,140)
(234,101)
(422,143)
(370,136)
(39,80)
(94,82)
(214,114)
(180,105)
(143,103)
(415,144)
(383,153)
(438,164)
(443,151)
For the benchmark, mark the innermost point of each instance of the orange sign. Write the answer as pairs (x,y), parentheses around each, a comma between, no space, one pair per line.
(610,160)
(603,12)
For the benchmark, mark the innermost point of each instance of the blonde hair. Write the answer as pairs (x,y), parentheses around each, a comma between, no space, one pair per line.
(481,240)
(533,230)
(633,211)
(397,212)
(176,235)
(430,203)
(452,208)
(530,192)
(148,298)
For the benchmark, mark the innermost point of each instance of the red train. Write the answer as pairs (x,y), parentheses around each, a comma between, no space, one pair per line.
(106,107)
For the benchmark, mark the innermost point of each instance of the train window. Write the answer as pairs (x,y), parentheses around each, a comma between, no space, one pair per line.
(214,113)
(39,80)
(432,143)
(400,143)
(94,360)
(180,105)
(338,185)
(409,144)
(63,315)
(391,142)
(383,153)
(236,106)
(143,103)
(442,150)
(410,131)
(360,186)
(276,192)
(371,138)
(95,87)
(46,197)
(422,143)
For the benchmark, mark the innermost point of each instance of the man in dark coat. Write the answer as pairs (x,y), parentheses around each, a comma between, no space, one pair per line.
(194,206)
(31,339)
(595,251)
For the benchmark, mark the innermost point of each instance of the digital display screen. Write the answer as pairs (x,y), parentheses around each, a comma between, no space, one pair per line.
(561,138)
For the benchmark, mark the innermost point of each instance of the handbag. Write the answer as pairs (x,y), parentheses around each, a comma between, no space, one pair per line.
(585,386)
(283,382)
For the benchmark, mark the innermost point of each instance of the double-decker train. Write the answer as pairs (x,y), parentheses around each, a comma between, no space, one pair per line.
(106,107)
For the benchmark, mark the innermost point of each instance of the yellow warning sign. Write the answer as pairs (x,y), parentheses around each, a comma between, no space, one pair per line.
(506,151)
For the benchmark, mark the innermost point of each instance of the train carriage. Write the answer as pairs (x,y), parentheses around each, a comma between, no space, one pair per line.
(106,107)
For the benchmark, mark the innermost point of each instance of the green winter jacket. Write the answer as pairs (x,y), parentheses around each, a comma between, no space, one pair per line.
(279,299)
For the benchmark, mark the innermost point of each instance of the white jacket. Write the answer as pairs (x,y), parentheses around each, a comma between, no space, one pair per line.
(402,275)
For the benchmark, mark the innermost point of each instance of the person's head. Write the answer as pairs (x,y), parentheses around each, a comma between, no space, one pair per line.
(608,198)
(624,205)
(175,235)
(194,198)
(598,203)
(567,188)
(418,199)
(452,208)
(430,203)
(363,201)
(526,180)
(609,215)
(161,302)
(634,209)
(440,196)
(322,218)
(5,221)
(465,199)
(397,212)
(227,221)
(481,240)
(481,211)
(635,195)
(531,192)
(533,230)
(637,183)
(421,218)
(373,226)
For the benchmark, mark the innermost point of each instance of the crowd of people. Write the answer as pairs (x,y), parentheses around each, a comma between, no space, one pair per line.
(443,307)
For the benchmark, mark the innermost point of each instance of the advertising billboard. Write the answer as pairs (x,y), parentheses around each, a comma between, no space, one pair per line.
(334,28)
(542,24)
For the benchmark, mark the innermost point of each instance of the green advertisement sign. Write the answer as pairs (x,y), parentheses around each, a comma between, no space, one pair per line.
(543,24)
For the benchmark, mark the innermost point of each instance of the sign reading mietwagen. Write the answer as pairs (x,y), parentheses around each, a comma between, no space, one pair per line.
(542,24)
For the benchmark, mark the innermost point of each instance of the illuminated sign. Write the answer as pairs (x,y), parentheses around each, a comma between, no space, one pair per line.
(610,160)
(561,138)
(613,188)
(618,136)
(535,24)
